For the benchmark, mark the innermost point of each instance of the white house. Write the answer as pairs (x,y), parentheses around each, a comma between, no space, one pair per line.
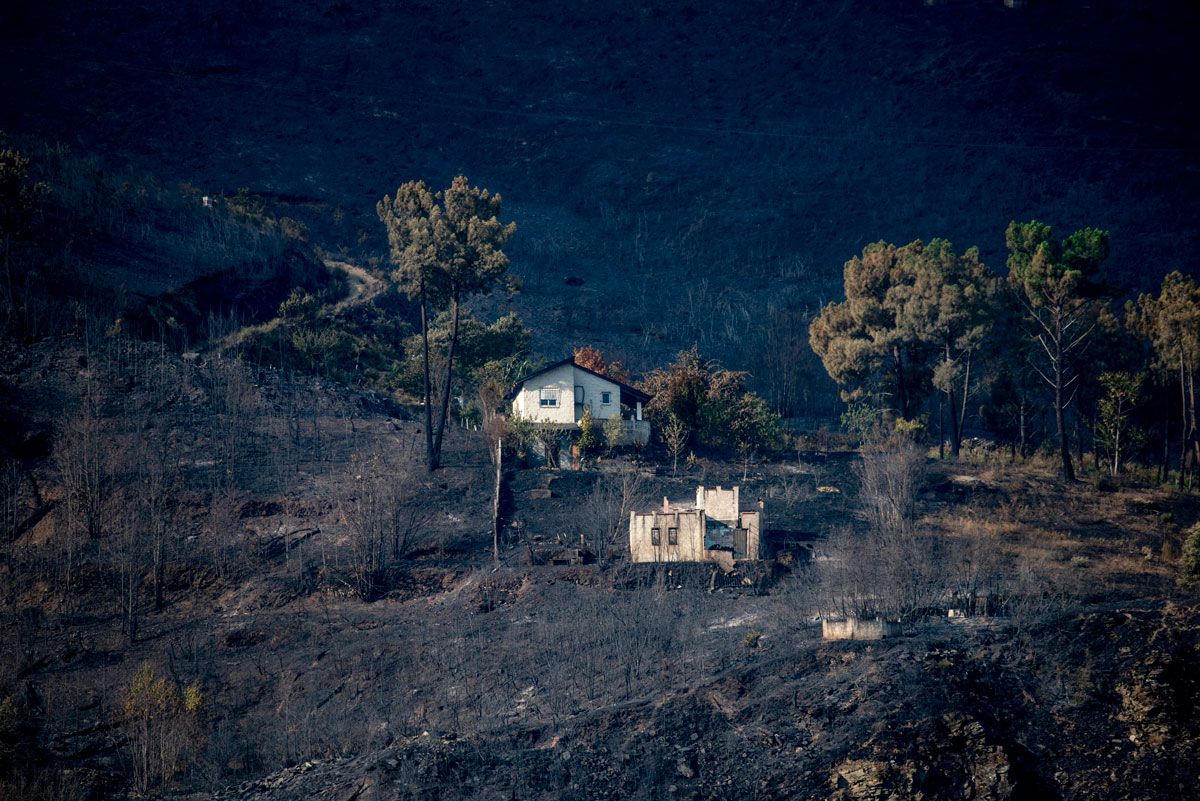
(562,391)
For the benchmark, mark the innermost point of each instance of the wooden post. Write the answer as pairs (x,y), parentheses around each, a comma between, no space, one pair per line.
(496,503)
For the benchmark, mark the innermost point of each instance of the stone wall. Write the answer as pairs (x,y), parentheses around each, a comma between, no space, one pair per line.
(857,629)
(689,545)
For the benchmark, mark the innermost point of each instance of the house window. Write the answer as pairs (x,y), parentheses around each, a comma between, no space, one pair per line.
(672,536)
(655,536)
(606,398)
(578,394)
(548,397)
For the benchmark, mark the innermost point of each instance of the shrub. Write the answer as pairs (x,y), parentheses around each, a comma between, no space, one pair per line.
(1189,563)
(1169,552)
(161,724)
(859,420)
(612,433)
(588,439)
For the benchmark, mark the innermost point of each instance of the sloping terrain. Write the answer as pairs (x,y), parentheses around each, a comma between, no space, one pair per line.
(694,165)
(226,580)
(1099,706)
(462,679)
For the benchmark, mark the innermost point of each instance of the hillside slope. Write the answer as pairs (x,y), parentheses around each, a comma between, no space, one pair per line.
(694,165)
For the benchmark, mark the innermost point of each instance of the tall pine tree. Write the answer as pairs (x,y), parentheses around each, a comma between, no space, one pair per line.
(1056,285)
(445,247)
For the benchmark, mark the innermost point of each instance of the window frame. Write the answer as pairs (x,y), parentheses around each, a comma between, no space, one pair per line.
(672,535)
(655,535)
(606,398)
(548,397)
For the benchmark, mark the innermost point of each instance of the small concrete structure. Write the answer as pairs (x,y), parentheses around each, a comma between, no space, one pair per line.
(715,529)
(853,628)
(560,393)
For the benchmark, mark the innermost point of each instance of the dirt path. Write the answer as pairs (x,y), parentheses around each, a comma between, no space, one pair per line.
(363,288)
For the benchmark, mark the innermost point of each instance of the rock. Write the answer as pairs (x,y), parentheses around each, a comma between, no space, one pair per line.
(1147,698)
(861,779)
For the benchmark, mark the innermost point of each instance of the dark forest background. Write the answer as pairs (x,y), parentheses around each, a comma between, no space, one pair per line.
(682,173)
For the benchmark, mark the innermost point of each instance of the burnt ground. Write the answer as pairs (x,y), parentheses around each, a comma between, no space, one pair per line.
(463,679)
(704,160)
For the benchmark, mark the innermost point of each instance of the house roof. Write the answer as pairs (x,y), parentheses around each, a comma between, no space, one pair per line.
(629,395)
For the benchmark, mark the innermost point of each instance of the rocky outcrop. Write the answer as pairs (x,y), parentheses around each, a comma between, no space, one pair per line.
(958,761)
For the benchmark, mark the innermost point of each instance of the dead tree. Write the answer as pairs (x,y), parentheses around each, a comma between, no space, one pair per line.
(606,512)
(885,567)
(386,518)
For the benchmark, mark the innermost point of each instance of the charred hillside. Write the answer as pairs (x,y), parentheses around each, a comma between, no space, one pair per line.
(699,173)
(318,672)
(233,568)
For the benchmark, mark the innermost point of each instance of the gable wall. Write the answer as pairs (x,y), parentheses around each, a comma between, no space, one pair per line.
(690,547)
(565,378)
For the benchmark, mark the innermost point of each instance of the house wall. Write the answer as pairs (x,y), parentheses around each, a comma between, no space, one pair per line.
(857,629)
(712,502)
(565,378)
(719,504)
(593,386)
(690,547)
(752,522)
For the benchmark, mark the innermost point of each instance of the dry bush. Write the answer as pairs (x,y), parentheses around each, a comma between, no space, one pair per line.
(605,513)
(888,567)
(890,476)
(387,517)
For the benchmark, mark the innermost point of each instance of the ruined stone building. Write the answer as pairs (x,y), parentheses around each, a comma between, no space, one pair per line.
(714,529)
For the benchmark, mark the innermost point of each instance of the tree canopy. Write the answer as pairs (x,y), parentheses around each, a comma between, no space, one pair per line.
(711,404)
(1057,285)
(445,247)
(904,305)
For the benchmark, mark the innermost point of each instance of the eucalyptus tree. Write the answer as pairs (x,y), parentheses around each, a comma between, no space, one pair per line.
(445,247)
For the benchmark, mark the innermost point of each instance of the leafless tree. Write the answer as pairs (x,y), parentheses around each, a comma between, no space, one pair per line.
(153,492)
(552,437)
(222,528)
(973,573)
(85,466)
(890,476)
(606,511)
(11,507)
(885,567)
(675,435)
(386,519)
(129,554)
